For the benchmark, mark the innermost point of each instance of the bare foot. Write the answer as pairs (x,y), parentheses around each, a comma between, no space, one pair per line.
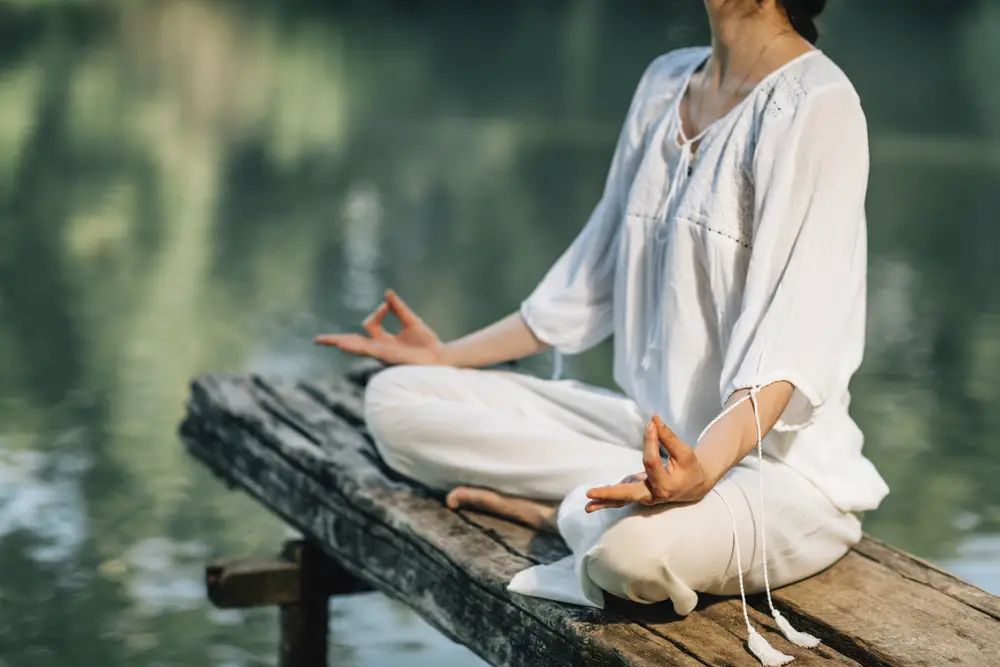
(532,513)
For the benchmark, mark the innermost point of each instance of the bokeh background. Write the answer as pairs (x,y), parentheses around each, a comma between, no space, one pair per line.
(195,185)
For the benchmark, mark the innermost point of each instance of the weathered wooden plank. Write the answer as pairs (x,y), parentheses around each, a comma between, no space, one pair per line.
(870,612)
(924,573)
(729,614)
(302,450)
(397,538)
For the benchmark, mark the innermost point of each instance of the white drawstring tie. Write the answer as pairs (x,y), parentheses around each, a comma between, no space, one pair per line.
(767,654)
(660,236)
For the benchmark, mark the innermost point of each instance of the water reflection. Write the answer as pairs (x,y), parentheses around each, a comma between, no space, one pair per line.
(197,185)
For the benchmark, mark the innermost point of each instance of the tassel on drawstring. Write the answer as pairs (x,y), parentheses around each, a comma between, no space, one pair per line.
(791,634)
(767,654)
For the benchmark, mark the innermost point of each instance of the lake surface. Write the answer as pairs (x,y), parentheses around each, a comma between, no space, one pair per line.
(191,186)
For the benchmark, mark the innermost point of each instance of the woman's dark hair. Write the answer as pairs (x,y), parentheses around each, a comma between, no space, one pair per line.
(802,15)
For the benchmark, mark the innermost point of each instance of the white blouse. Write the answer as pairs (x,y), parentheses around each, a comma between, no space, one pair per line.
(738,265)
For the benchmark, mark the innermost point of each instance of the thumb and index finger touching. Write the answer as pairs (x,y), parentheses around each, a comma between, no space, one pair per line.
(399,308)
(656,474)
(656,436)
(674,446)
(391,303)
(373,323)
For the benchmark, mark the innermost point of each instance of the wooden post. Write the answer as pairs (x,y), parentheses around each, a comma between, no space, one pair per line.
(304,622)
(300,580)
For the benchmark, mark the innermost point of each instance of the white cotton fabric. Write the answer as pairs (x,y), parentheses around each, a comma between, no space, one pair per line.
(736,265)
(553,440)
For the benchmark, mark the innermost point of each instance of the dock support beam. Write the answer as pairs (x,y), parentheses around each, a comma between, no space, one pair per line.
(300,580)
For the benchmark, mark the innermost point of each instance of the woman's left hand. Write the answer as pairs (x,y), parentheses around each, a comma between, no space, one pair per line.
(681,480)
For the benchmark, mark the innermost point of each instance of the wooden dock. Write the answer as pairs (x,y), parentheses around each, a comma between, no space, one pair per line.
(302,450)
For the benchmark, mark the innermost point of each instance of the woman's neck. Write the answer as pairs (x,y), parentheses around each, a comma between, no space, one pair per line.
(748,44)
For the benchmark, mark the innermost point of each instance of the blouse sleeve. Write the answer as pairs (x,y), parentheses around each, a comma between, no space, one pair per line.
(803,307)
(571,309)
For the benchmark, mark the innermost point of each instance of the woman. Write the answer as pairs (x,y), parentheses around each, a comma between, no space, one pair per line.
(727,256)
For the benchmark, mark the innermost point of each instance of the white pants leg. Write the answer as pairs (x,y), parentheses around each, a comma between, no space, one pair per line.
(548,440)
(517,434)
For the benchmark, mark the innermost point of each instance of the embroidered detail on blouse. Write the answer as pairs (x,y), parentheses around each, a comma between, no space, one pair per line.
(745,203)
(715,230)
(785,96)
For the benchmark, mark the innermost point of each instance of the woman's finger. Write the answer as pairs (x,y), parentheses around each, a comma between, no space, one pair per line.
(399,308)
(595,505)
(353,343)
(373,323)
(656,473)
(330,340)
(678,450)
(633,492)
(388,351)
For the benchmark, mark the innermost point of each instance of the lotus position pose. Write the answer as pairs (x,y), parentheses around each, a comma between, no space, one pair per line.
(727,257)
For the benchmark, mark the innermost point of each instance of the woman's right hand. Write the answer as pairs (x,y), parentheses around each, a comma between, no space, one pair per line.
(416,343)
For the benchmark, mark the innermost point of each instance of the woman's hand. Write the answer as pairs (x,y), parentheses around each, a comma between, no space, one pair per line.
(416,343)
(681,480)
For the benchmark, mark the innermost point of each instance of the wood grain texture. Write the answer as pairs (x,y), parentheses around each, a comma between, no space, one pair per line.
(252,582)
(302,450)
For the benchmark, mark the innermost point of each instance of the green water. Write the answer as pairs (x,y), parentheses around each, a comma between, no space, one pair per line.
(192,186)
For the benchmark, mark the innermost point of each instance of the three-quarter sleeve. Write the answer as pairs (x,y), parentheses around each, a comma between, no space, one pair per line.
(803,307)
(571,309)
